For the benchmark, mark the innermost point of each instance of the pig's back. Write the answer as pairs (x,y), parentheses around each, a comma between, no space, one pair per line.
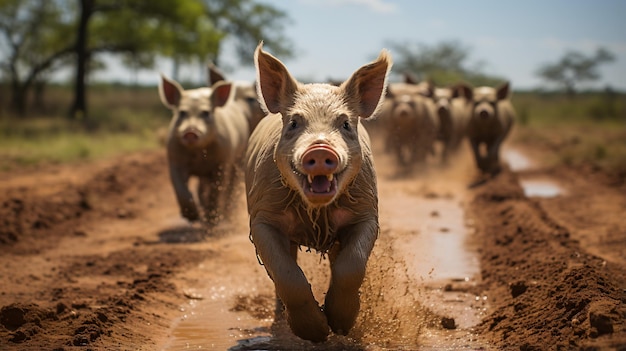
(233,130)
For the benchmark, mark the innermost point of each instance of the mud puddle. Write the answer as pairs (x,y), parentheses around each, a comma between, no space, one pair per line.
(417,293)
(532,185)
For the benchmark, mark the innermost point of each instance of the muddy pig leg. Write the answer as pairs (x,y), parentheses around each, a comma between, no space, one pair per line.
(227,202)
(342,302)
(304,316)
(279,310)
(179,178)
(209,189)
(476,151)
(493,155)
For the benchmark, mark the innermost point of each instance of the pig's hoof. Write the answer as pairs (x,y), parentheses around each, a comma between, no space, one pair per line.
(191,215)
(309,326)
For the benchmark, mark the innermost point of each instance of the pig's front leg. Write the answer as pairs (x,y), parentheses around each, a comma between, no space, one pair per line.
(208,193)
(304,315)
(493,155)
(348,271)
(179,178)
(480,163)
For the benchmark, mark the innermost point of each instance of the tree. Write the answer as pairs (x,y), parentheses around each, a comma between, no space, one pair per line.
(33,38)
(183,30)
(249,22)
(575,67)
(139,30)
(443,63)
(41,35)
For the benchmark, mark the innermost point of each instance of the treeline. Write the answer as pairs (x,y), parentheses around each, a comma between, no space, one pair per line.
(41,37)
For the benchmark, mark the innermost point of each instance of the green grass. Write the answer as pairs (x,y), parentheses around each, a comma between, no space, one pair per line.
(589,129)
(540,110)
(121,120)
(67,148)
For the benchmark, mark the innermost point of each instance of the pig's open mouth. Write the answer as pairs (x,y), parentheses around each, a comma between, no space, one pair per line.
(318,168)
(319,189)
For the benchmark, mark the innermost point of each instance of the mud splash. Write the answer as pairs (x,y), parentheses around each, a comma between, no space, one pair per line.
(418,292)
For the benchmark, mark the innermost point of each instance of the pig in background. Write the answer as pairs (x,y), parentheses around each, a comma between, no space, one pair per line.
(491,118)
(207,139)
(452,111)
(310,181)
(245,95)
(410,124)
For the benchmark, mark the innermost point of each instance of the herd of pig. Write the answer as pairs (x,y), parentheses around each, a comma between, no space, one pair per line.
(308,165)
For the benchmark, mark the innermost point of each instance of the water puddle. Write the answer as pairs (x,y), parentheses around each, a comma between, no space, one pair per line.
(541,188)
(438,240)
(517,161)
(533,185)
(443,263)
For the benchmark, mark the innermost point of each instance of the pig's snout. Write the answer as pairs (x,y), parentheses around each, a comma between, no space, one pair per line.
(190,136)
(442,111)
(483,114)
(320,160)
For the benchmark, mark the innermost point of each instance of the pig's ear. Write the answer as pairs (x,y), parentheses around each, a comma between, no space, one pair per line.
(502,92)
(365,89)
(463,90)
(215,75)
(170,92)
(409,79)
(221,93)
(427,89)
(275,86)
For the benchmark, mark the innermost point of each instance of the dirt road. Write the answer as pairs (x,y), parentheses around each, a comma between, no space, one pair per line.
(95,257)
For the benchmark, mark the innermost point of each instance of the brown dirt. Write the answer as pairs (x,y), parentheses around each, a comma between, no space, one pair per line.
(92,258)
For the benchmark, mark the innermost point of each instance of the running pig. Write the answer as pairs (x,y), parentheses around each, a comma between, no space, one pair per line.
(310,181)
(207,138)
(491,118)
(245,95)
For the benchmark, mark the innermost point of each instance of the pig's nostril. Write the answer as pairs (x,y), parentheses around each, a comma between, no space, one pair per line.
(190,137)
(320,160)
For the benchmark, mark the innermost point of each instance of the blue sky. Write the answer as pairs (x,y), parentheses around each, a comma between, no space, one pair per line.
(512,38)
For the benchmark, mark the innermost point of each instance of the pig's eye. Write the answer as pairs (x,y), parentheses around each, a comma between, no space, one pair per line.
(182,114)
(346,125)
(293,124)
(204,114)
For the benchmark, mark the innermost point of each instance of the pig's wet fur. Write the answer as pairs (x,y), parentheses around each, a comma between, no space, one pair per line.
(321,120)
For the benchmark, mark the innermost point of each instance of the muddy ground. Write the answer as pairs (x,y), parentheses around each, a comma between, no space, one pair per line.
(95,257)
